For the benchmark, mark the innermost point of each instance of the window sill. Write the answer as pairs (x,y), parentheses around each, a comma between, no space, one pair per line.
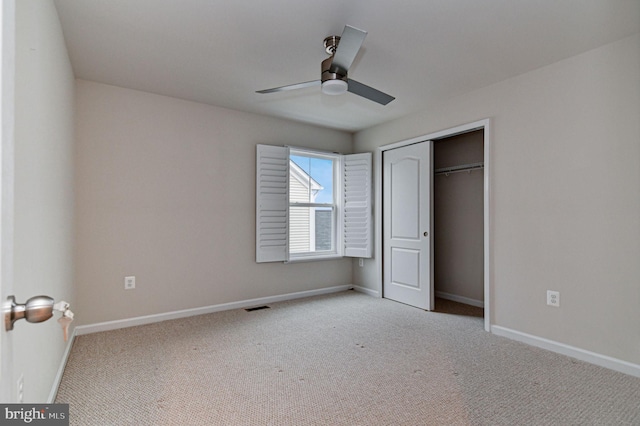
(299,259)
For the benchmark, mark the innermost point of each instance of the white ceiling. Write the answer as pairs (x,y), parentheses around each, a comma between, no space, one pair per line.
(220,52)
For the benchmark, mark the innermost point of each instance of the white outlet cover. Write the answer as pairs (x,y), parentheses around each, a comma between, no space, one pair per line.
(129,283)
(553,298)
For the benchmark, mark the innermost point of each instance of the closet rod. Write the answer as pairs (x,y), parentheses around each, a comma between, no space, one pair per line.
(458,169)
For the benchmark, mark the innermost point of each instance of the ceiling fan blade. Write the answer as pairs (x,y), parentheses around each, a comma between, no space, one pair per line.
(291,87)
(370,93)
(348,47)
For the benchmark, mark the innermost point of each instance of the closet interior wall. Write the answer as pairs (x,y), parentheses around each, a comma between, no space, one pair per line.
(458,219)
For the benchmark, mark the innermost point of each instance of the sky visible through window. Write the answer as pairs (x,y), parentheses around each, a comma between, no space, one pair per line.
(321,170)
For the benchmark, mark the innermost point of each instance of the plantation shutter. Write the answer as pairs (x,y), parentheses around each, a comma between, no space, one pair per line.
(357,205)
(272,203)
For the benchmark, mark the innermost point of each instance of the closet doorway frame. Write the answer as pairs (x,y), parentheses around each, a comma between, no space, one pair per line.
(485,126)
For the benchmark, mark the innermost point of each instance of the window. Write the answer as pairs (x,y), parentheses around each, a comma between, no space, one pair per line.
(311,205)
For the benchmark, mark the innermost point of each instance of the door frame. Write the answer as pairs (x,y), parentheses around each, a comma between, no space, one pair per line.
(484,125)
(7,115)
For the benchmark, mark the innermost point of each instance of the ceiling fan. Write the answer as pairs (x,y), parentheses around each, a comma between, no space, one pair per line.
(334,78)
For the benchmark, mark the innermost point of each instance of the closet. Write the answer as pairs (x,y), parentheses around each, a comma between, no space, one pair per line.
(458,218)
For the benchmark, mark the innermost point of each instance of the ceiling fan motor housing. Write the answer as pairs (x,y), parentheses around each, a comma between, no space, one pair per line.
(329,73)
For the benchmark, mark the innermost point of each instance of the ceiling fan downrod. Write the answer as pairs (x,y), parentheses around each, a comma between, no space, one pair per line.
(332,78)
(331,44)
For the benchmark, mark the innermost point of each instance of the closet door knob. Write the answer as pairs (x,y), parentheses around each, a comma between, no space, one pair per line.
(426,234)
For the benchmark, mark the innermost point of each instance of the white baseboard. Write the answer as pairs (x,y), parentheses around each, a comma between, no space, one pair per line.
(150,319)
(460,299)
(63,364)
(367,291)
(577,353)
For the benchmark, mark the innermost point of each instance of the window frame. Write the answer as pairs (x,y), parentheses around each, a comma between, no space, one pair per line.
(336,207)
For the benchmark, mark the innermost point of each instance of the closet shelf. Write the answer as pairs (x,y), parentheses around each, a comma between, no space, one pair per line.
(460,168)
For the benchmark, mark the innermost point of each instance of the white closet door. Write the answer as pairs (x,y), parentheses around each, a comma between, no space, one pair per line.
(407,225)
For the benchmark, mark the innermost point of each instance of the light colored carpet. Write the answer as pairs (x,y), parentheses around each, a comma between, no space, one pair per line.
(342,359)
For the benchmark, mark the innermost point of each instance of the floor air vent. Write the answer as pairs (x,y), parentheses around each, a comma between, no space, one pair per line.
(257,308)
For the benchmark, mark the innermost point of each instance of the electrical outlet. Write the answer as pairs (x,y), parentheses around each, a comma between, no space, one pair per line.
(361,262)
(129,283)
(20,389)
(553,298)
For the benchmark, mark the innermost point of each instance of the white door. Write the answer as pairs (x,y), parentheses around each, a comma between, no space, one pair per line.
(7,19)
(407,225)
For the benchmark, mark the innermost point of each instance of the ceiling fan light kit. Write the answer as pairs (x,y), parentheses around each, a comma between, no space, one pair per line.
(334,71)
(334,80)
(334,87)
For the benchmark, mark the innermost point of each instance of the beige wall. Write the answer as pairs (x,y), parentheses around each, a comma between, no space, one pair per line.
(565,200)
(43,215)
(165,191)
(458,218)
